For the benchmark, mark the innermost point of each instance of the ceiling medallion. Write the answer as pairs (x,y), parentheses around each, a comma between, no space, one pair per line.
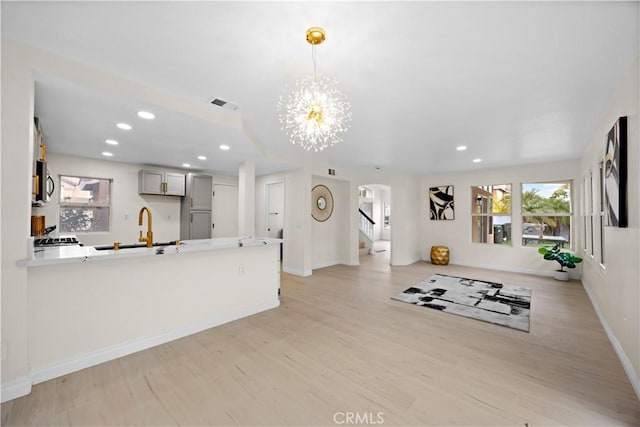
(315,113)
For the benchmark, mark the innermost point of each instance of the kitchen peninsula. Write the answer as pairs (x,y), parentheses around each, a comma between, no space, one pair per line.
(88,306)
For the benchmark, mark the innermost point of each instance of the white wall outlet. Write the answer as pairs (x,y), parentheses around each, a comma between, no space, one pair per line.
(125,217)
(241,269)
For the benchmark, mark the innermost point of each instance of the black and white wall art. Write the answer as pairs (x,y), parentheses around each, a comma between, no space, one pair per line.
(615,180)
(441,202)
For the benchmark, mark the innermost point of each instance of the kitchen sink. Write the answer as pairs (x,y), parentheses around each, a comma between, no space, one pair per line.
(134,245)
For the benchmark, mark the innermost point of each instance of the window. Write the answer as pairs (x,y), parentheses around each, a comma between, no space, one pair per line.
(602,204)
(491,214)
(591,209)
(546,213)
(585,215)
(85,204)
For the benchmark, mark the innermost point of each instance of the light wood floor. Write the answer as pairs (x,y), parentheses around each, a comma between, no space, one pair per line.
(338,344)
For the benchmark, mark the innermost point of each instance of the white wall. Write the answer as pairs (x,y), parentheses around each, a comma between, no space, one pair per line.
(614,290)
(297,217)
(81,315)
(329,245)
(17,152)
(404,235)
(456,234)
(246,199)
(298,235)
(125,200)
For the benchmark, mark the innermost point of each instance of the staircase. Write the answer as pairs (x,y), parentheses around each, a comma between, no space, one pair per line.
(365,224)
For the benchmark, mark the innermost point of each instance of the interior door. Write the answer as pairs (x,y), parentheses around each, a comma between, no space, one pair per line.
(225,210)
(275,209)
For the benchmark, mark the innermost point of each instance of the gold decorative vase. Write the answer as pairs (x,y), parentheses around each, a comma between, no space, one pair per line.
(439,255)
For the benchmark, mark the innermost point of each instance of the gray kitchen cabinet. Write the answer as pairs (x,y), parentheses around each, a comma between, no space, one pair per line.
(200,225)
(161,183)
(195,209)
(200,191)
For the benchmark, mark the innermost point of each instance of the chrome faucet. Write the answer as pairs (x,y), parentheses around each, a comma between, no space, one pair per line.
(149,238)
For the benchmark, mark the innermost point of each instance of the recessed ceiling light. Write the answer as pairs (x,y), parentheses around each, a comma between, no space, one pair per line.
(202,157)
(224,147)
(186,165)
(146,115)
(124,126)
(461,147)
(107,154)
(111,142)
(477,160)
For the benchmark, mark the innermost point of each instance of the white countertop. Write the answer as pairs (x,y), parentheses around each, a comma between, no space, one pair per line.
(69,254)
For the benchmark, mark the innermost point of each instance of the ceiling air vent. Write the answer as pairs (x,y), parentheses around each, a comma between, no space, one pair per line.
(224,104)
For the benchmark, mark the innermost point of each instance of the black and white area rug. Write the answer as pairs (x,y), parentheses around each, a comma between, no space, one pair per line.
(487,301)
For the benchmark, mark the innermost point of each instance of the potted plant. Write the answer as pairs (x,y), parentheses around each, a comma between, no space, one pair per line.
(565,259)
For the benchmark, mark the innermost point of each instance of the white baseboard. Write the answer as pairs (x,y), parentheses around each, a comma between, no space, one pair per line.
(63,367)
(325,264)
(545,273)
(296,272)
(15,388)
(624,360)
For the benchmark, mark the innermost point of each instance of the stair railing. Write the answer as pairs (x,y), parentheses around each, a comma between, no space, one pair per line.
(366,224)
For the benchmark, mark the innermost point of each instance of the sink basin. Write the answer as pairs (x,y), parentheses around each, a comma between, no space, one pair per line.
(133,245)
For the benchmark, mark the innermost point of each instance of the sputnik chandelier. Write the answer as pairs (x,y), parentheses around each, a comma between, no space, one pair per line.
(315,113)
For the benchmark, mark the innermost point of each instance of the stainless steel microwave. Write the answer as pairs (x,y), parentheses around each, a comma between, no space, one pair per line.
(43,185)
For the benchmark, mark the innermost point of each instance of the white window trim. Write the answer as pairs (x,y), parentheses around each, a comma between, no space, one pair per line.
(489,214)
(65,204)
(569,214)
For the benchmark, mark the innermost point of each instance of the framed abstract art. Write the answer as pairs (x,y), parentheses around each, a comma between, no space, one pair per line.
(615,175)
(441,202)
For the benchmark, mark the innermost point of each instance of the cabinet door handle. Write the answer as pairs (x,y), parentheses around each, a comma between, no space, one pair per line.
(191,220)
(191,199)
(43,152)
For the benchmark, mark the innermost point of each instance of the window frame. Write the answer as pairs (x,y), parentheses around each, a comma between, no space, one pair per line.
(475,215)
(592,252)
(569,214)
(64,204)
(585,215)
(601,178)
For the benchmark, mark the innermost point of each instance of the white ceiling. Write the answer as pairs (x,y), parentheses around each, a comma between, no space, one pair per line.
(515,82)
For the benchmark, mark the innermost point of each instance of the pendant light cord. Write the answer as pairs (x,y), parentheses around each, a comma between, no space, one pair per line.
(313,57)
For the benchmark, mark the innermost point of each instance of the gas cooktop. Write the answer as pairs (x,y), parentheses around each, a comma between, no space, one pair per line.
(55,241)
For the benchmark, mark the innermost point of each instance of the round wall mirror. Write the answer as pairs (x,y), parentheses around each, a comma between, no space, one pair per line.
(321,203)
